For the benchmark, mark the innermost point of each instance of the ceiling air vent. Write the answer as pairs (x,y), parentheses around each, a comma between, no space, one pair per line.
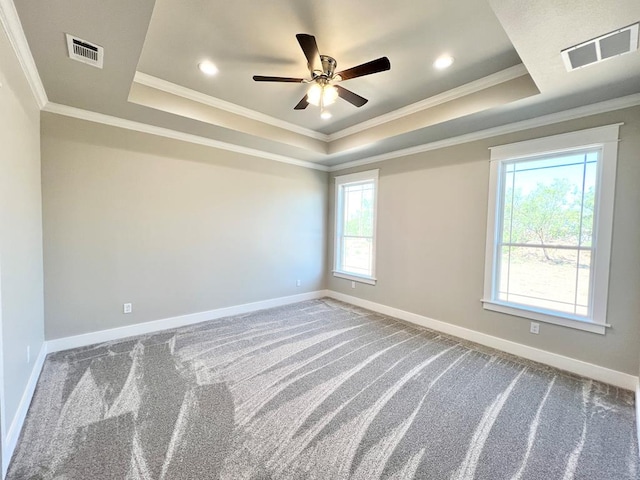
(607,46)
(85,52)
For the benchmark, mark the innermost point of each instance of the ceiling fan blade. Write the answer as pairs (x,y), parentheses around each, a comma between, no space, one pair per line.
(310,49)
(374,66)
(302,104)
(262,78)
(351,97)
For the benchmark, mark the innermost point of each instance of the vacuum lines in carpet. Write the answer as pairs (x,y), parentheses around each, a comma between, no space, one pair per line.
(318,390)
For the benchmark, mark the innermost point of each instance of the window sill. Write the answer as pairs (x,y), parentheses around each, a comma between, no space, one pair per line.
(546,317)
(355,278)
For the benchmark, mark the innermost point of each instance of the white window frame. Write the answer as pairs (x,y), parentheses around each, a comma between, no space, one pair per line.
(606,139)
(341,182)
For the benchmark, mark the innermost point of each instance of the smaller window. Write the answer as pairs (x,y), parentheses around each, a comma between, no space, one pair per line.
(355,243)
(549,229)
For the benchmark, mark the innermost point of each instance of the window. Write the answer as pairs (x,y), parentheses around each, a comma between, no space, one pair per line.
(355,243)
(549,229)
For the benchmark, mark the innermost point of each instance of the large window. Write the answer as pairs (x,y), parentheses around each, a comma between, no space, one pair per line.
(549,232)
(355,243)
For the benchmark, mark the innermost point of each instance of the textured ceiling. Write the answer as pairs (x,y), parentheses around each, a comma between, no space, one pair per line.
(152,49)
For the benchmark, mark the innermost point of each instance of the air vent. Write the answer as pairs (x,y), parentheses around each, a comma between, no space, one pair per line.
(607,46)
(85,52)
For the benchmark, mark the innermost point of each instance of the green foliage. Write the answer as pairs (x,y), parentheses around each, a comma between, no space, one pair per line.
(549,215)
(359,220)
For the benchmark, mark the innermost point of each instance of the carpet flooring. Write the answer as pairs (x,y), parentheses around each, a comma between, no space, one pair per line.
(318,390)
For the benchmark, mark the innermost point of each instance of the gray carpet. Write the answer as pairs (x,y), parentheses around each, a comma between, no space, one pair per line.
(323,390)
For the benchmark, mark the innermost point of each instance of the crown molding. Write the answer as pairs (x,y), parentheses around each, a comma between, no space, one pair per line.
(174,134)
(580,112)
(189,94)
(486,82)
(566,115)
(467,89)
(11,22)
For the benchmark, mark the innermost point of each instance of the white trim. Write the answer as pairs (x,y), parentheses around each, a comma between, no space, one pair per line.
(11,22)
(65,343)
(580,112)
(355,278)
(10,440)
(174,134)
(540,316)
(4,463)
(578,367)
(492,80)
(605,139)
(367,176)
(638,413)
(581,139)
(550,119)
(613,377)
(472,87)
(189,94)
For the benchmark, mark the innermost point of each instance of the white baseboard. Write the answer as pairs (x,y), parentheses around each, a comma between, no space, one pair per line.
(579,367)
(13,434)
(638,412)
(65,343)
(59,344)
(589,370)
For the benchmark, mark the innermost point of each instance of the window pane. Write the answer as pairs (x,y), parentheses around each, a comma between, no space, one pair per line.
(583,283)
(543,201)
(509,201)
(357,255)
(358,211)
(548,278)
(588,204)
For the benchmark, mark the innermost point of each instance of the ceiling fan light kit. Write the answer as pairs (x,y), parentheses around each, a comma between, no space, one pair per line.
(323,76)
(322,95)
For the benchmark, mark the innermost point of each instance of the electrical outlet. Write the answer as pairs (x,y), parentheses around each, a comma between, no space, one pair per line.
(127,308)
(28,353)
(535,328)
(353,284)
(298,283)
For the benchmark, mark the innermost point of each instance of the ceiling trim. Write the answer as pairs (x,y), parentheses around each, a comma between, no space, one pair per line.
(580,112)
(467,89)
(11,22)
(173,134)
(566,115)
(189,94)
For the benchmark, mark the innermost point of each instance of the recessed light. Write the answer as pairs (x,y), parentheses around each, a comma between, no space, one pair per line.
(443,62)
(325,115)
(208,68)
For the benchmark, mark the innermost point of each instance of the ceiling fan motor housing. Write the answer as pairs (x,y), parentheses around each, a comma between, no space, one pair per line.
(328,66)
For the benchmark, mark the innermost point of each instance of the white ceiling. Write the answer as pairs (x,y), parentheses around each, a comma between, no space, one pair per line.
(246,37)
(152,50)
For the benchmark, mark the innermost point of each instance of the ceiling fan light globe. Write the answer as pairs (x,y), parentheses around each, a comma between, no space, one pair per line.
(314,94)
(329,95)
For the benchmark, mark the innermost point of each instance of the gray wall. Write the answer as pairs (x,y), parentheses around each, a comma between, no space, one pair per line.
(172,227)
(21,310)
(431,244)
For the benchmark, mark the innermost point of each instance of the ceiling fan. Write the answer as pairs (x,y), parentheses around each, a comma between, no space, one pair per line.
(323,92)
